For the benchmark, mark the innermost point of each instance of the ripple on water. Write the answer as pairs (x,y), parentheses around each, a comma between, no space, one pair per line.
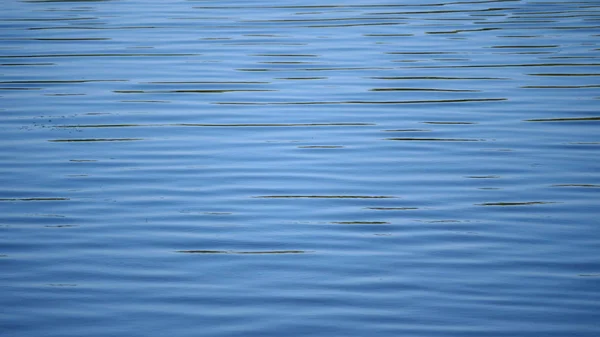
(203,168)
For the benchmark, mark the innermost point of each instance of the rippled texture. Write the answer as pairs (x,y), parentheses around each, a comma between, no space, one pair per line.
(299,168)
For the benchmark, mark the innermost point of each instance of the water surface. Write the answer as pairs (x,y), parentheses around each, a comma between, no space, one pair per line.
(299,168)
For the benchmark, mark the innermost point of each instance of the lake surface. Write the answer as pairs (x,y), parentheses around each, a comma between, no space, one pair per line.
(299,168)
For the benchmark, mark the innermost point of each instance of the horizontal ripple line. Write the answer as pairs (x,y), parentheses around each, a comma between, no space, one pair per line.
(301,78)
(59,81)
(73,39)
(91,55)
(317,69)
(89,27)
(516,203)
(420,53)
(562,74)
(509,65)
(242,252)
(95,140)
(321,20)
(531,46)
(434,78)
(325,197)
(438,139)
(566,119)
(361,222)
(450,123)
(344,6)
(199,91)
(321,147)
(34,199)
(392,208)
(215,125)
(25,64)
(20,88)
(207,82)
(53,19)
(387,35)
(370,102)
(423,89)
(445,11)
(561,86)
(462,31)
(286,55)
(357,25)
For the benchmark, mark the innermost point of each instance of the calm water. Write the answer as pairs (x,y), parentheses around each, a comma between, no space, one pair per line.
(299,168)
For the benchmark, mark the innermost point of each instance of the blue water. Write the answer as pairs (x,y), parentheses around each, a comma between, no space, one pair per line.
(299,168)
